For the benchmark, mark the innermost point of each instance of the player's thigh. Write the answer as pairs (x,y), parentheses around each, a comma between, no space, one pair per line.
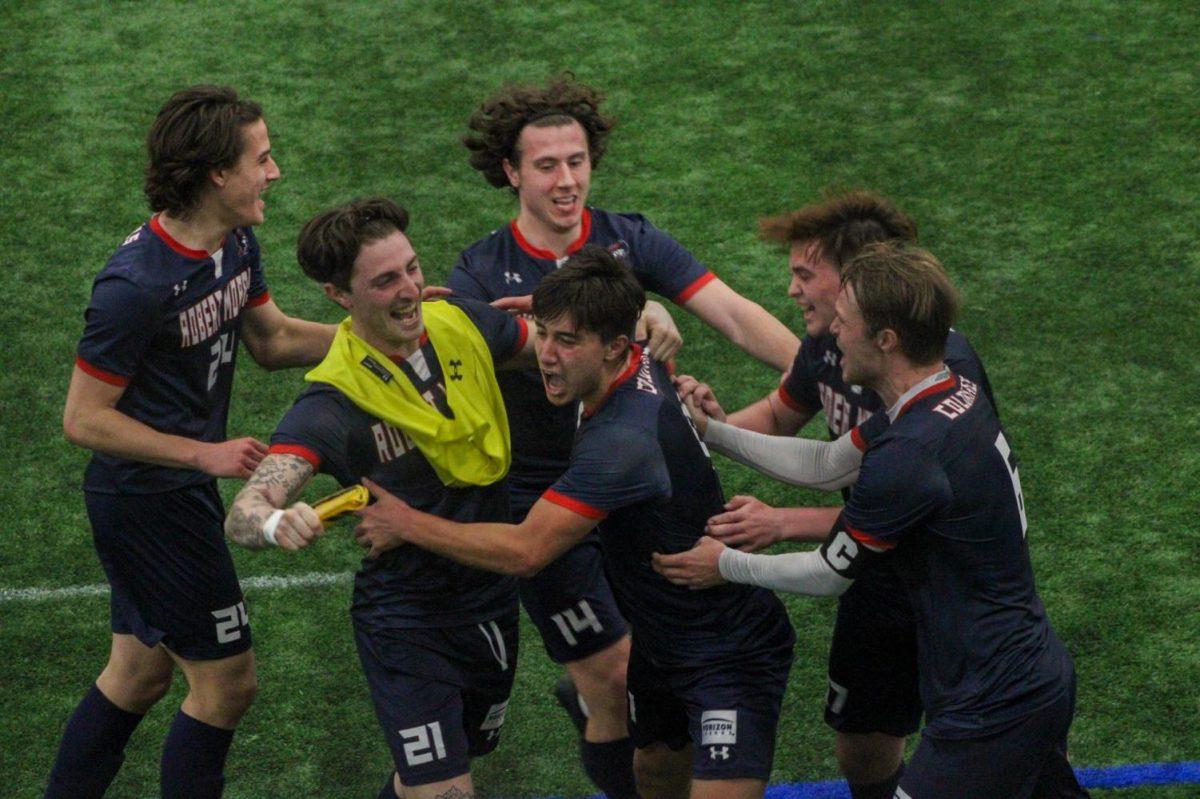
(873,682)
(662,772)
(571,603)
(440,696)
(170,571)
(460,786)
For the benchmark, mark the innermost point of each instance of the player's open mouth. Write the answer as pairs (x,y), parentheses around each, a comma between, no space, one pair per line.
(407,317)
(554,384)
(566,203)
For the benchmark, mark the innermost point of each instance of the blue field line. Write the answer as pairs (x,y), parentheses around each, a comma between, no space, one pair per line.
(1128,776)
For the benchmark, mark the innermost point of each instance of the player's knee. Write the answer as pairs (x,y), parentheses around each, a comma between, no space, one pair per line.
(601,678)
(135,685)
(868,758)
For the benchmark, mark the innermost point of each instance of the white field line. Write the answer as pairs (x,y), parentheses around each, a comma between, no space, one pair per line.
(268,583)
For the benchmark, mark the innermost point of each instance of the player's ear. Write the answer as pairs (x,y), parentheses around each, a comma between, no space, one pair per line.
(887,340)
(336,294)
(616,348)
(510,171)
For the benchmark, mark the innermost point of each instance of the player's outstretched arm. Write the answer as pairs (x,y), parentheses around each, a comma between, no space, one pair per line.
(522,550)
(91,420)
(749,524)
(806,462)
(657,327)
(770,415)
(745,323)
(253,521)
(278,341)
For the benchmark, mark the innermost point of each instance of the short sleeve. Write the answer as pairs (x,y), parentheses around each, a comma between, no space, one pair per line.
(119,326)
(504,333)
(611,467)
(665,266)
(900,483)
(257,293)
(312,429)
(466,285)
(799,389)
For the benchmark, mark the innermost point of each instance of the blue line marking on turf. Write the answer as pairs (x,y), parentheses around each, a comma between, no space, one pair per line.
(1129,776)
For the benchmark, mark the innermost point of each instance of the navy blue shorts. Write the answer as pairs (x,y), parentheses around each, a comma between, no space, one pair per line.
(1027,760)
(728,711)
(171,573)
(873,684)
(572,604)
(440,694)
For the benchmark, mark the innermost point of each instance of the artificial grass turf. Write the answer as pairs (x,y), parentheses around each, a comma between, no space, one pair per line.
(1047,153)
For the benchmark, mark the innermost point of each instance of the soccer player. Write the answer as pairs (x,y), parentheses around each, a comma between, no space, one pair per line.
(150,395)
(542,142)
(707,670)
(873,702)
(939,496)
(407,397)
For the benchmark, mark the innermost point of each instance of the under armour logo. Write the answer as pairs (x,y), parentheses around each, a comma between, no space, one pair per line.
(831,358)
(721,752)
(512,277)
(180,288)
(454,373)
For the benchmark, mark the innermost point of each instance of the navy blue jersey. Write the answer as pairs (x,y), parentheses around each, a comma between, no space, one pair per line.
(638,466)
(504,264)
(940,489)
(163,323)
(815,382)
(408,586)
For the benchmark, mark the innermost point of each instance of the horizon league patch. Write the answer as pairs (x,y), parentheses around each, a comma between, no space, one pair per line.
(495,717)
(718,727)
(619,250)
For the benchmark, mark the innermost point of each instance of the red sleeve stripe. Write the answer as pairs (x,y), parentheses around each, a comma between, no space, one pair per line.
(696,285)
(789,401)
(295,449)
(522,336)
(100,374)
(868,540)
(261,299)
(856,438)
(574,505)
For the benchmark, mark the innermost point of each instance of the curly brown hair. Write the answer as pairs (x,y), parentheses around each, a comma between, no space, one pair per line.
(842,224)
(499,120)
(198,130)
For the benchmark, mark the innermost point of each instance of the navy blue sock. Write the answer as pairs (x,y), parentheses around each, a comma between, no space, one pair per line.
(610,766)
(193,759)
(92,748)
(388,791)
(877,790)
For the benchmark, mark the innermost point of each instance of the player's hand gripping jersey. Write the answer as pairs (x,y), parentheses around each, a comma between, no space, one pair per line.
(504,264)
(638,465)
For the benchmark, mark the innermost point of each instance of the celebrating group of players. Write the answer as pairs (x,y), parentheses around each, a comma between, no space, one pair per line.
(566,467)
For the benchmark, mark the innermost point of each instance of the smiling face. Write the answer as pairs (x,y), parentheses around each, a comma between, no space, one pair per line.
(814,287)
(862,359)
(384,299)
(552,178)
(239,189)
(575,363)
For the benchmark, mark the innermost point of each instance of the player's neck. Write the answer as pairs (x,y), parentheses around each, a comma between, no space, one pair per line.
(544,237)
(199,231)
(609,373)
(900,377)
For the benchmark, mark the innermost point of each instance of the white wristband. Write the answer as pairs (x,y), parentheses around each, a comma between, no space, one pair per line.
(269,526)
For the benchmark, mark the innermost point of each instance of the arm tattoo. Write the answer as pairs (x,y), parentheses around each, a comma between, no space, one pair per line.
(276,483)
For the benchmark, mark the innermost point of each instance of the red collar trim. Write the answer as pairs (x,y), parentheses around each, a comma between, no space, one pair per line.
(546,255)
(186,252)
(936,388)
(635,361)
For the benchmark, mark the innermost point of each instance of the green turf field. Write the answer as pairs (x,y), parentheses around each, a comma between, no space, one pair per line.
(1048,151)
